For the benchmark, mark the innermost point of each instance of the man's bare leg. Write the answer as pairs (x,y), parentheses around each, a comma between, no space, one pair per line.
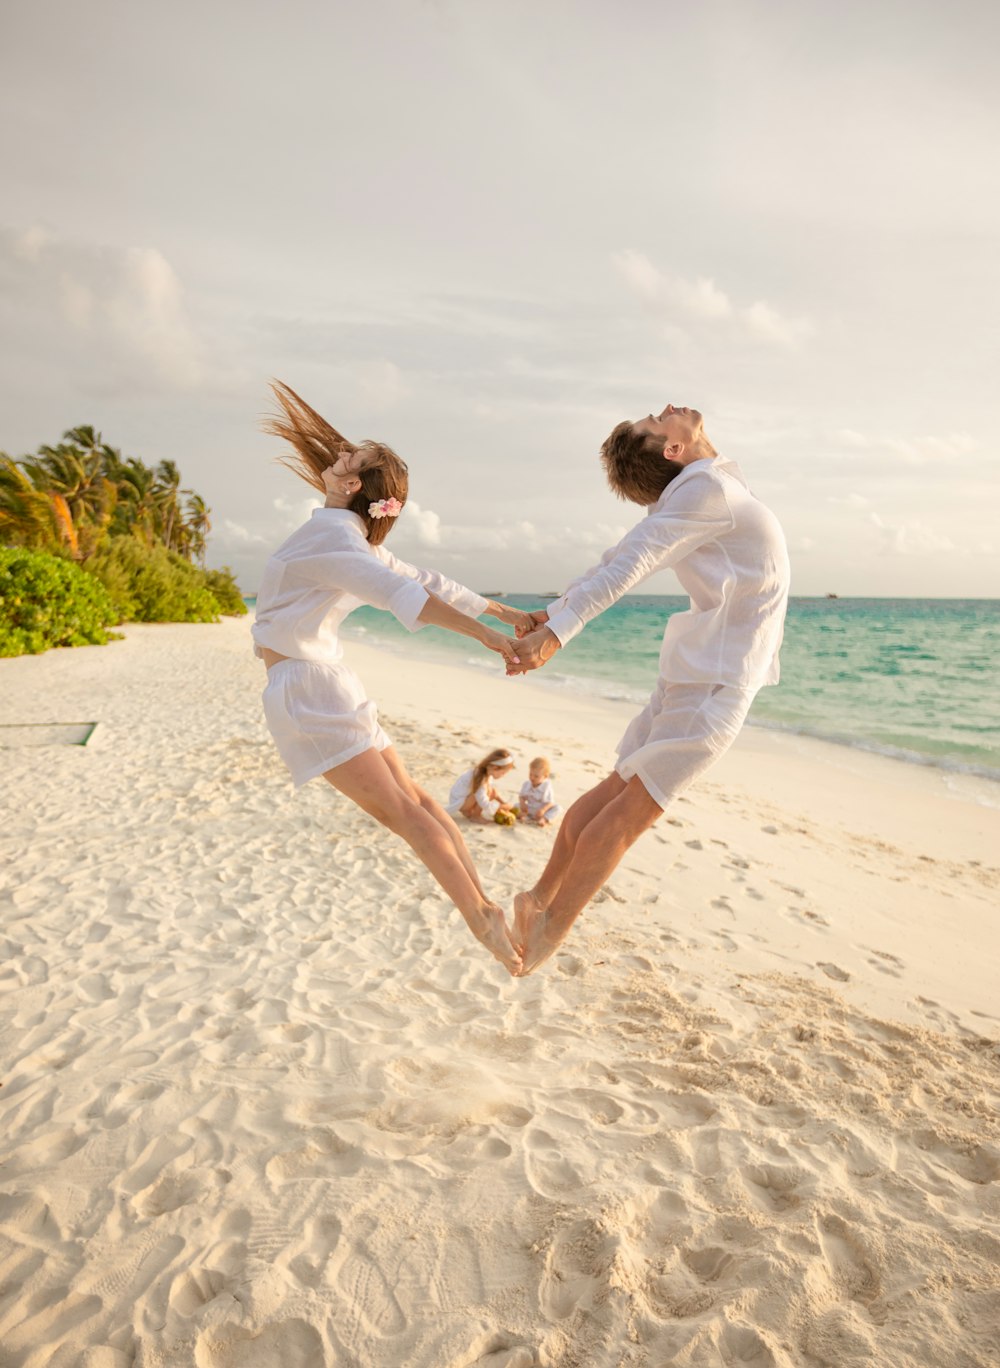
(528,904)
(617,824)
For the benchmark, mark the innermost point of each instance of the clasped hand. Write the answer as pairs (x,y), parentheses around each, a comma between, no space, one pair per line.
(534,650)
(536,643)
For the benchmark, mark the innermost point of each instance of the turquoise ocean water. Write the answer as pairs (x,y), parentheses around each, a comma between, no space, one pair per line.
(911,678)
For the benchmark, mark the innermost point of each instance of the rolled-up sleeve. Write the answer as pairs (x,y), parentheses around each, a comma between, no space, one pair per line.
(362,574)
(467,601)
(661,539)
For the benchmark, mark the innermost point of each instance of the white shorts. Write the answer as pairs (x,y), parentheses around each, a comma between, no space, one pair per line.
(683,729)
(554,811)
(319,716)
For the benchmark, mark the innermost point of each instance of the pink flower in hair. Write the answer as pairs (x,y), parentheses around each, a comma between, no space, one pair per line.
(385,508)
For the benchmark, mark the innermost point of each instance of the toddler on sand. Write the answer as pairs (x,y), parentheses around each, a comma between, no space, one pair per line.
(538,801)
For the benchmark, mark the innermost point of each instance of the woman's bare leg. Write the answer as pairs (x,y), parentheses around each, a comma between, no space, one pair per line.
(431,805)
(369,781)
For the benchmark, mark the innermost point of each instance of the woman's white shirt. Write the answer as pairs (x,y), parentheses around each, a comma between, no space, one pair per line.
(728,551)
(324,571)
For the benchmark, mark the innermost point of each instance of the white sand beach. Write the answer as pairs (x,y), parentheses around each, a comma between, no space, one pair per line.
(266,1103)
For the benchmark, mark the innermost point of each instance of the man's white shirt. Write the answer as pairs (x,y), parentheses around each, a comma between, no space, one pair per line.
(729,553)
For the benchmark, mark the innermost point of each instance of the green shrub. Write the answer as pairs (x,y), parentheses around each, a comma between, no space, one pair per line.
(46,600)
(226,591)
(152,584)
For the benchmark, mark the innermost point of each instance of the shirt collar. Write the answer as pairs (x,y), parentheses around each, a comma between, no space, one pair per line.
(715,462)
(339,515)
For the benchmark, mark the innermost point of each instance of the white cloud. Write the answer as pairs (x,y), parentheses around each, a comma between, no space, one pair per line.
(762,321)
(698,299)
(125,305)
(234,534)
(915,451)
(849,500)
(382,383)
(701,300)
(422,524)
(909,537)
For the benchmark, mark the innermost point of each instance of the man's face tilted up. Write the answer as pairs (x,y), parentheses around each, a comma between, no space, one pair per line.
(681,432)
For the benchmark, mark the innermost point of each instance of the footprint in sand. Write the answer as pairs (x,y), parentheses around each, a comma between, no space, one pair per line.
(887,964)
(708,1265)
(776,1189)
(293,1343)
(834,971)
(851,1269)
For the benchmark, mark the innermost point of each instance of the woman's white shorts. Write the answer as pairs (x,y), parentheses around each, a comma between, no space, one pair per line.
(319,716)
(683,729)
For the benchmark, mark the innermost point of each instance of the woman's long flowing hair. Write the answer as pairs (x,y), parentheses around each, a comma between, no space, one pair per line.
(316,445)
(495,757)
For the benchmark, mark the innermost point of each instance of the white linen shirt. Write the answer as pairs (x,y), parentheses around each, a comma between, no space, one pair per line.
(461,789)
(729,553)
(325,570)
(537,795)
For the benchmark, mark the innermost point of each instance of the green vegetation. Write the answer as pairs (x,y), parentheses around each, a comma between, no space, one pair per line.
(110,540)
(48,601)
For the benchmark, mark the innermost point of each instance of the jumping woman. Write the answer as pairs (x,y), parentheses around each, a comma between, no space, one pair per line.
(316,707)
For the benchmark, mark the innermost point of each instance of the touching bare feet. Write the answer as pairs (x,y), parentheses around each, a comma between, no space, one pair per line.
(526,909)
(536,934)
(493,933)
(542,941)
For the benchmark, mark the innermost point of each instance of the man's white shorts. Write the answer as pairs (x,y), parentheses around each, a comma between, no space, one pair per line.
(683,729)
(319,716)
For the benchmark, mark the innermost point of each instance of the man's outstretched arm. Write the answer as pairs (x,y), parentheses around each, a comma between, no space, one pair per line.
(660,540)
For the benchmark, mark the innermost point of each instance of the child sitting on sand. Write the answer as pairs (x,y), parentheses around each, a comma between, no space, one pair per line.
(538,800)
(474,794)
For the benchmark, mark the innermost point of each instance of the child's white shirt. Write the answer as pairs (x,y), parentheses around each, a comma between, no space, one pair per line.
(537,795)
(460,791)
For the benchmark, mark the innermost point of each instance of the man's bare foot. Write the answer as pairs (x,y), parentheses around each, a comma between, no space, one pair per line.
(526,909)
(493,933)
(541,941)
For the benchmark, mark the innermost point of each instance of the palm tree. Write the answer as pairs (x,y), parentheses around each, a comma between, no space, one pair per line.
(198,525)
(32,516)
(168,480)
(72,496)
(137,500)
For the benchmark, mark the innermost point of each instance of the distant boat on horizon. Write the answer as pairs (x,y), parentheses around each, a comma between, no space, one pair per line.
(833,596)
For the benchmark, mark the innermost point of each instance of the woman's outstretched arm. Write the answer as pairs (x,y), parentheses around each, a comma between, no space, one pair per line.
(436,613)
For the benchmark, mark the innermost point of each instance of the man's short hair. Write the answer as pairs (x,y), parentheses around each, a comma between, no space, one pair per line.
(635,465)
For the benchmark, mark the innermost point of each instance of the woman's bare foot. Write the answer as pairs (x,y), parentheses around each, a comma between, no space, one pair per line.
(493,933)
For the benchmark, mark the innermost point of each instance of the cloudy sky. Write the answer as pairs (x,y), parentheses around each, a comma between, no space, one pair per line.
(484,231)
